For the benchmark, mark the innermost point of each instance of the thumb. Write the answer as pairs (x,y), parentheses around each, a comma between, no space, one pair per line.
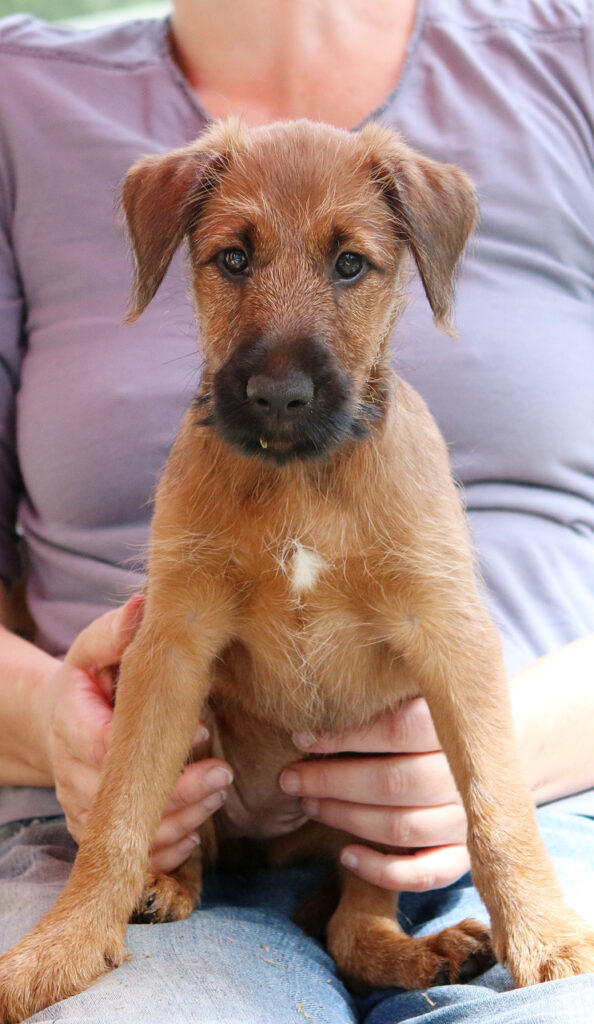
(104,641)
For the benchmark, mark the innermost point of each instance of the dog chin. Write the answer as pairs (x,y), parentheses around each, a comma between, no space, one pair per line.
(304,446)
(282,452)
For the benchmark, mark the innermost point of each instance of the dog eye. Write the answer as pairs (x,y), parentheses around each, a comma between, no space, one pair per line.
(349,265)
(234,261)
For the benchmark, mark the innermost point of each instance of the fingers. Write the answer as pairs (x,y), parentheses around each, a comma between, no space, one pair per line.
(407,780)
(83,722)
(405,799)
(426,869)
(199,781)
(104,641)
(82,712)
(404,827)
(408,729)
(76,789)
(172,857)
(79,737)
(200,736)
(200,790)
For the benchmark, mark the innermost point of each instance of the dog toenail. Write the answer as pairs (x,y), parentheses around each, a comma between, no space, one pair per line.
(443,975)
(469,969)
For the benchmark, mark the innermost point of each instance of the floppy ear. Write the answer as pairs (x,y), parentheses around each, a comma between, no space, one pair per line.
(435,209)
(162,197)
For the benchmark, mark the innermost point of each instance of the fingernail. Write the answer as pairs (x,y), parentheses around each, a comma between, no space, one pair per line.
(349,860)
(290,782)
(214,800)
(304,739)
(310,807)
(200,736)
(189,844)
(132,612)
(218,777)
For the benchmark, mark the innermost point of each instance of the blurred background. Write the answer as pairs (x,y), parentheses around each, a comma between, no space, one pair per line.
(84,12)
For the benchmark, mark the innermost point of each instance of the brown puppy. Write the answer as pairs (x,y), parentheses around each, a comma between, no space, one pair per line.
(309,565)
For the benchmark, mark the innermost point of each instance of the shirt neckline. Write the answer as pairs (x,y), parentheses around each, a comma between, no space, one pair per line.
(376,114)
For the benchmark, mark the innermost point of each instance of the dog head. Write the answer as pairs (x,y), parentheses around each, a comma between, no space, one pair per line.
(299,237)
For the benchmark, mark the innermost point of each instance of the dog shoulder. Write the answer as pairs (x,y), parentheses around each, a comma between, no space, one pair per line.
(413,444)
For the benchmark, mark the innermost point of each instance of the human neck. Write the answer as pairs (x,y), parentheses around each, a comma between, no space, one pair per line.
(332,60)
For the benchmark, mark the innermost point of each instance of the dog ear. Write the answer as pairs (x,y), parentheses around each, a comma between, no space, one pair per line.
(162,196)
(435,209)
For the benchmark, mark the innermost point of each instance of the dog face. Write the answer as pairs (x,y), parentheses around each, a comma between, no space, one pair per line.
(299,236)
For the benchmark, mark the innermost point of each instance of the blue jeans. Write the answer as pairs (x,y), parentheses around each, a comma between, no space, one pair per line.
(241,960)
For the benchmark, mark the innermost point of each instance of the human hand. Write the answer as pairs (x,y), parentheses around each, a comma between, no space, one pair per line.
(80,713)
(402,795)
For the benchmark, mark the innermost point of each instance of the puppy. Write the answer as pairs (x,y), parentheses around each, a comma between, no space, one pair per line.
(309,565)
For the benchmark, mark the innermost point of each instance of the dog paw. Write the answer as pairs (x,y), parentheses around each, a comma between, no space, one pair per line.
(466,952)
(374,952)
(163,899)
(53,963)
(566,950)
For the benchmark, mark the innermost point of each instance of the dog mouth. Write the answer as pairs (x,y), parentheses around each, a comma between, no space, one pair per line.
(283,401)
(309,435)
(277,447)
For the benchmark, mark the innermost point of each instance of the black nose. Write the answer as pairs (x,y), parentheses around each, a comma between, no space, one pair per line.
(282,398)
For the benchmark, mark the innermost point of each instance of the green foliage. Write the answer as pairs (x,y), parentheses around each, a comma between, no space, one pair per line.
(60,10)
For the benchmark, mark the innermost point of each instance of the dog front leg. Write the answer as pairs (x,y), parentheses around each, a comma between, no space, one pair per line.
(163,683)
(460,669)
(173,897)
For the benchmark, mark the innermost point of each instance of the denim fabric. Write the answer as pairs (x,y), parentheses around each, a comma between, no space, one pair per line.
(240,959)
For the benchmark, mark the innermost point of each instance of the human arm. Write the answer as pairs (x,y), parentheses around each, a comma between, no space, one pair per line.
(553,706)
(55,720)
(408,797)
(25,671)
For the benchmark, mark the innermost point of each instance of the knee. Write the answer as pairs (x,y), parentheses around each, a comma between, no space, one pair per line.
(568,1001)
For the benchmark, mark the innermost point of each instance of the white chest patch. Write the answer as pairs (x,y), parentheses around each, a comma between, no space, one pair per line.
(306,566)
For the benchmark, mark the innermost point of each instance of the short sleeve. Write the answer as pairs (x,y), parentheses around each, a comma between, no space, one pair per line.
(589,36)
(11,352)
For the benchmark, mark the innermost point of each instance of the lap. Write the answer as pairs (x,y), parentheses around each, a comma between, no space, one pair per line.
(241,959)
(570,841)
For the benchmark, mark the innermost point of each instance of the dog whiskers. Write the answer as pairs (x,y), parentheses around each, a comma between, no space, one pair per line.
(199,402)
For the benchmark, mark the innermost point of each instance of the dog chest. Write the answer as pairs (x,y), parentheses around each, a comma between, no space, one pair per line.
(305,568)
(308,651)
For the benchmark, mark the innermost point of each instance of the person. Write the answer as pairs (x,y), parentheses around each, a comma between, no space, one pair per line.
(90,408)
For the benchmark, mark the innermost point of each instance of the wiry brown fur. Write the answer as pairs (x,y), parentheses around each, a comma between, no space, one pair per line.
(384,606)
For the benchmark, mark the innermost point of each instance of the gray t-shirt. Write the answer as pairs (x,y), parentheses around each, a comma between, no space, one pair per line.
(89,409)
